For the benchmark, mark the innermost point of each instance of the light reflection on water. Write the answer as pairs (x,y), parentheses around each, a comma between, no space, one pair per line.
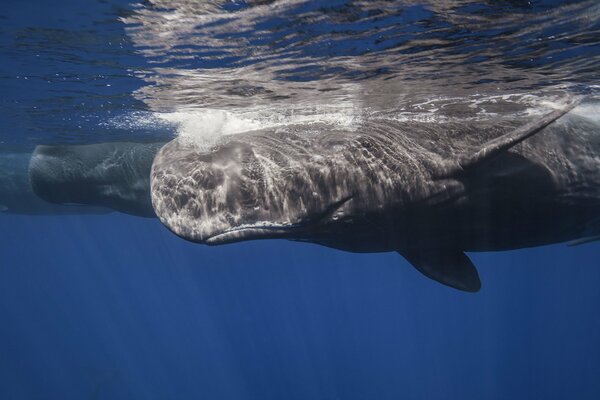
(113,70)
(377,54)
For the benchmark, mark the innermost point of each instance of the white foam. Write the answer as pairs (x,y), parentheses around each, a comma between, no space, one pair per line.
(136,120)
(590,111)
(205,126)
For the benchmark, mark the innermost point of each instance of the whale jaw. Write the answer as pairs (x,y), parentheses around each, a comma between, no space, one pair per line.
(249,233)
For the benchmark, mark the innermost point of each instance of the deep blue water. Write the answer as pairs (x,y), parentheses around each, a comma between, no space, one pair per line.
(117,307)
(113,306)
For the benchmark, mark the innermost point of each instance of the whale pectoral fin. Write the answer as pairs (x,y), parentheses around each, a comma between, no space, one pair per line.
(505,142)
(451,267)
(584,240)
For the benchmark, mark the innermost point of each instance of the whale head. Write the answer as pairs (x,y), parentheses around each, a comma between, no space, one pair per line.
(232,192)
(113,175)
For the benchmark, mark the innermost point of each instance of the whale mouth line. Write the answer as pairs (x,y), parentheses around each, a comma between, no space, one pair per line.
(239,234)
(274,231)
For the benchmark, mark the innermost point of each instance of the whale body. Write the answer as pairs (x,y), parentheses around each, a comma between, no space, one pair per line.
(113,175)
(17,196)
(430,191)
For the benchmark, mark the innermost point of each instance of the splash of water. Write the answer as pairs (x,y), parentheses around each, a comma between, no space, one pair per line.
(204,127)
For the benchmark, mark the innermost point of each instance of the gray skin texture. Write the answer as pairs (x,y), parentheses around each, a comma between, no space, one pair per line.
(17,196)
(427,190)
(114,175)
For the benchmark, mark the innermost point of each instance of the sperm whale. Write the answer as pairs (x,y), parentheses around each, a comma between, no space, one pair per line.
(429,191)
(16,194)
(113,175)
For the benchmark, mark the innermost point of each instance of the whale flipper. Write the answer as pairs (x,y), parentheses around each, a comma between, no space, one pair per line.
(451,267)
(505,142)
(584,240)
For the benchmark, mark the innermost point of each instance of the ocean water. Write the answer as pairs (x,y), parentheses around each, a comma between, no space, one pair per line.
(96,304)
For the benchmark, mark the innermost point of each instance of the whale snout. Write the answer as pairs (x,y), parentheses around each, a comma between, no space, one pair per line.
(52,176)
(236,192)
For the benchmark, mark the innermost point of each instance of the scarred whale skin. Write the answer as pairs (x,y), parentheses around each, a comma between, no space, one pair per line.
(430,191)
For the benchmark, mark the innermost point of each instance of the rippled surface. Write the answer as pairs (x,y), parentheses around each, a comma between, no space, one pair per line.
(371,53)
(111,70)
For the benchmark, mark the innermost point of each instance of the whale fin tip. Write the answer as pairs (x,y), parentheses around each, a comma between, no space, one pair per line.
(512,138)
(584,240)
(451,267)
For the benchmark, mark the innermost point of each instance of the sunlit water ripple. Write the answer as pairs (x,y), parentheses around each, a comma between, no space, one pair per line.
(203,69)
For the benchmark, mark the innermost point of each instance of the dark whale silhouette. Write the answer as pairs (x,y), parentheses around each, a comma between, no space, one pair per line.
(17,196)
(430,191)
(114,175)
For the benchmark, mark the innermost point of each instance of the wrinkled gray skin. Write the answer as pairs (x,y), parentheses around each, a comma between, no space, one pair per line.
(404,186)
(114,175)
